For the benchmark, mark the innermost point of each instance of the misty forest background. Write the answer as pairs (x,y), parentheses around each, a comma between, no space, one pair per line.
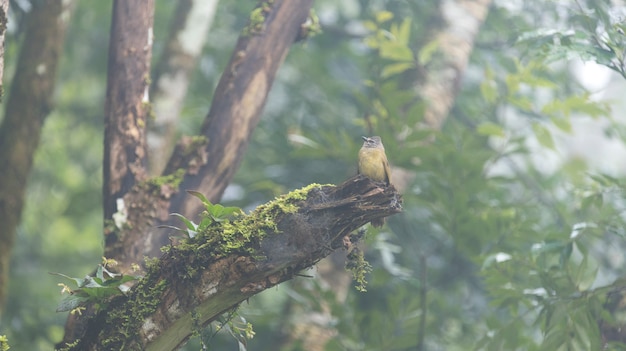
(504,123)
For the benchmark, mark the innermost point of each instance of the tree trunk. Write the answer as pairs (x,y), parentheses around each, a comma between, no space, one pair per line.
(29,103)
(127,104)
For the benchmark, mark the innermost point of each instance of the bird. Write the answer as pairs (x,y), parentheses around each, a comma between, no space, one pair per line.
(374,165)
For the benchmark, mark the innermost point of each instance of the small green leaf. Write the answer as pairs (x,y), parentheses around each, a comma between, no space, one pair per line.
(489,91)
(593,200)
(121,279)
(426,53)
(205,222)
(563,124)
(228,212)
(189,224)
(395,51)
(100,273)
(200,196)
(101,293)
(395,68)
(70,302)
(566,253)
(544,136)
(79,282)
(491,129)
(521,102)
(383,16)
(402,33)
(369,25)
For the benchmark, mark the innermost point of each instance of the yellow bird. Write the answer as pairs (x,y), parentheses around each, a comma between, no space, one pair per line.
(373,160)
(374,165)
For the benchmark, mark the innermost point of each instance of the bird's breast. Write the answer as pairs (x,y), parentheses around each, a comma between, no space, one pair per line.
(371,163)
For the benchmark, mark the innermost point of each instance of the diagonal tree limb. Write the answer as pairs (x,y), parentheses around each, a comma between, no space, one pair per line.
(29,103)
(196,281)
(126,109)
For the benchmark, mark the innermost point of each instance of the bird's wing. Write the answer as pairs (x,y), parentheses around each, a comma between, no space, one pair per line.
(387,170)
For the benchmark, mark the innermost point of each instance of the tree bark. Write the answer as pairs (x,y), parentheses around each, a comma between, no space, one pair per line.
(196,281)
(462,20)
(172,75)
(127,106)
(29,103)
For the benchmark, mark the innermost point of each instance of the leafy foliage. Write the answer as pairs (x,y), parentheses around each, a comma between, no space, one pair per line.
(214,213)
(97,289)
(4,343)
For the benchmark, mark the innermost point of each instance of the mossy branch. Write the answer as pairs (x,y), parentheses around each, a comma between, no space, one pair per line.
(195,281)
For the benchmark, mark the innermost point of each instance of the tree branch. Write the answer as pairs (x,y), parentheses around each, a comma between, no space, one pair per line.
(126,110)
(194,282)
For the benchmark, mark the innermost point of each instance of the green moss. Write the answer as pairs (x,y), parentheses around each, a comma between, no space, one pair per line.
(257,18)
(359,267)
(172,180)
(195,142)
(312,26)
(151,262)
(109,226)
(238,235)
(143,302)
(150,115)
(4,343)
(69,346)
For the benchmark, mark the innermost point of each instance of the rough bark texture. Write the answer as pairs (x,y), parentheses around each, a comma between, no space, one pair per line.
(29,103)
(4,19)
(127,105)
(462,19)
(239,99)
(196,281)
(172,75)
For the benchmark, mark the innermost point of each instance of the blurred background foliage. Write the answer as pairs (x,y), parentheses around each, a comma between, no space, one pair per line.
(509,240)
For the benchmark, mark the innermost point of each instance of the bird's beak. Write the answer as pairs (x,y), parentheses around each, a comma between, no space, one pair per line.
(365,138)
